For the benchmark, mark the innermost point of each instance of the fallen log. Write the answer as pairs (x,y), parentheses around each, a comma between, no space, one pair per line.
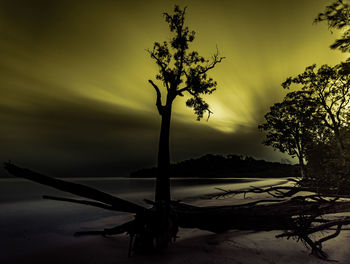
(297,216)
(85,202)
(75,188)
(279,191)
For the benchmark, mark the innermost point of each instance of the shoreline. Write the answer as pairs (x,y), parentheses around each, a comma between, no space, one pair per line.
(193,245)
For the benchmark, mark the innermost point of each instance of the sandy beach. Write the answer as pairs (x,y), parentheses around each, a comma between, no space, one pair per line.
(192,246)
(113,109)
(43,233)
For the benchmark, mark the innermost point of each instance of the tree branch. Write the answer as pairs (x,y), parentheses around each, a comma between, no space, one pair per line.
(185,89)
(159,105)
(344,99)
(126,227)
(209,113)
(276,191)
(75,188)
(216,60)
(318,228)
(161,64)
(91,203)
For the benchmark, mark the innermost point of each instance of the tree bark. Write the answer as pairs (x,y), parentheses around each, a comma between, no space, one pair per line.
(162,193)
(275,216)
(340,143)
(302,166)
(166,225)
(75,188)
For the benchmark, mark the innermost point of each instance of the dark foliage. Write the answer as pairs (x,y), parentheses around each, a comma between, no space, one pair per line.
(218,166)
(327,167)
(337,16)
(292,124)
(182,71)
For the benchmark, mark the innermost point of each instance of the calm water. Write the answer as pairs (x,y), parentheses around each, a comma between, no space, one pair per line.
(22,190)
(28,223)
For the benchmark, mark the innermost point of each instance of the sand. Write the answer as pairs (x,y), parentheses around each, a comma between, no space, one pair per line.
(193,246)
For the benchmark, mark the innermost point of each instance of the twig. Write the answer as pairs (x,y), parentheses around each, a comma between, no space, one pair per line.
(92,203)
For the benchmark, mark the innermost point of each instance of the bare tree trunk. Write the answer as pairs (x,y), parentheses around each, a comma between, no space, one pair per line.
(162,193)
(302,166)
(340,144)
(165,222)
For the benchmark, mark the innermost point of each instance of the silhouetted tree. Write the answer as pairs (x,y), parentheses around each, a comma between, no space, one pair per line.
(337,16)
(292,124)
(301,217)
(326,168)
(180,71)
(329,88)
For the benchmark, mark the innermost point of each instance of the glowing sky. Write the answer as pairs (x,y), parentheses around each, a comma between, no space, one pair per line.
(74,90)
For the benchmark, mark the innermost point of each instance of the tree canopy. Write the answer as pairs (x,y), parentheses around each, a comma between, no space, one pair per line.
(313,121)
(180,70)
(329,88)
(291,124)
(337,16)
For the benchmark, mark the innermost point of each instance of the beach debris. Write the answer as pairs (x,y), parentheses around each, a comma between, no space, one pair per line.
(298,217)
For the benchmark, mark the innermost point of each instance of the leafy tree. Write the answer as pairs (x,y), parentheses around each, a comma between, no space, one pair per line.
(180,71)
(292,124)
(326,168)
(337,15)
(329,87)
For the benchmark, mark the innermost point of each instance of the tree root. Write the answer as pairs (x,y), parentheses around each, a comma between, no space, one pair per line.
(156,227)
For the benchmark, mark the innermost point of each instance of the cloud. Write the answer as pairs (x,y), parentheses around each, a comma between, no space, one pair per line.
(74,91)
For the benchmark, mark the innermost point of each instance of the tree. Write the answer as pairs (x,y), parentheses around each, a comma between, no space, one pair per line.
(292,124)
(300,216)
(330,88)
(337,16)
(180,71)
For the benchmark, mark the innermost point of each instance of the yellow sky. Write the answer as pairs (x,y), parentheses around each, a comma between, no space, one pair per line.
(71,67)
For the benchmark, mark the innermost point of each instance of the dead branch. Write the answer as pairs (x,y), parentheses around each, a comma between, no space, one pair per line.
(277,192)
(318,228)
(316,246)
(120,229)
(92,203)
(159,105)
(299,216)
(75,188)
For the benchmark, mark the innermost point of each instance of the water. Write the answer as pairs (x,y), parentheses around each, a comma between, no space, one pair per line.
(22,190)
(28,223)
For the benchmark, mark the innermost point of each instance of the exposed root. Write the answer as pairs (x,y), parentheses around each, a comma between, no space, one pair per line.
(156,227)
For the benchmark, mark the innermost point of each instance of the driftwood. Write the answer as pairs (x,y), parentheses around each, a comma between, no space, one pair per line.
(280,191)
(298,217)
(75,188)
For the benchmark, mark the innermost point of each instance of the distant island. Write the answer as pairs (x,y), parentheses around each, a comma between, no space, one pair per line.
(219,166)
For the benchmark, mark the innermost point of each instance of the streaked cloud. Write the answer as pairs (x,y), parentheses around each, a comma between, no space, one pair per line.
(74,76)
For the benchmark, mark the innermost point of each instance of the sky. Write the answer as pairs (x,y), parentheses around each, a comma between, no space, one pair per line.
(74,93)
